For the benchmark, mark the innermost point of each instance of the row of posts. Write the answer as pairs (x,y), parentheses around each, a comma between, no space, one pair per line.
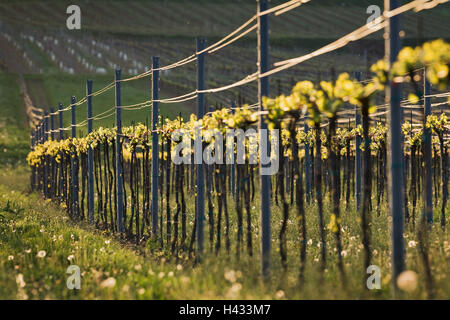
(396,161)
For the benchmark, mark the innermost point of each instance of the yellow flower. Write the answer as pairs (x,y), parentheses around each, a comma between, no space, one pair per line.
(334,223)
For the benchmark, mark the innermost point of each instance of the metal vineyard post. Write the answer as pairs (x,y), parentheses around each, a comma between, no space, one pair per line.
(90,154)
(358,153)
(155,147)
(263,91)
(119,173)
(74,161)
(395,154)
(200,216)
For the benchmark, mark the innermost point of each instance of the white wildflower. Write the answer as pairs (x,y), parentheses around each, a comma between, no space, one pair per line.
(407,281)
(108,283)
(41,254)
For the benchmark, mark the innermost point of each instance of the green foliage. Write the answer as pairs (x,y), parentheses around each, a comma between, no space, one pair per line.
(437,124)
(434,55)
(10,208)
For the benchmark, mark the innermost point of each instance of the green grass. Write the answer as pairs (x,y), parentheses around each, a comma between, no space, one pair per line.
(30,224)
(14,137)
(39,56)
(34,225)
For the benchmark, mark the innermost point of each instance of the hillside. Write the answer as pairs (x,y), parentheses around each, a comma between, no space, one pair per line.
(187,19)
(127,33)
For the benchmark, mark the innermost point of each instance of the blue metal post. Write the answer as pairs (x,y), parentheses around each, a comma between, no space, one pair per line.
(200,207)
(263,90)
(60,115)
(192,171)
(33,169)
(43,130)
(74,161)
(395,154)
(155,146)
(358,154)
(233,165)
(209,169)
(307,167)
(73,117)
(52,123)
(42,138)
(428,152)
(90,190)
(119,173)
(61,137)
(38,132)
(36,142)
(46,125)
(52,162)
(39,171)
(46,118)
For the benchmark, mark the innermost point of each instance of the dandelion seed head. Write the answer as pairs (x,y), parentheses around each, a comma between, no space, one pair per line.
(19,280)
(230,275)
(108,283)
(412,244)
(41,254)
(407,281)
(279,294)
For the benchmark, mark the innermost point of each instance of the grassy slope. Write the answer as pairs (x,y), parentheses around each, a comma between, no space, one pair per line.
(317,19)
(14,143)
(32,224)
(174,25)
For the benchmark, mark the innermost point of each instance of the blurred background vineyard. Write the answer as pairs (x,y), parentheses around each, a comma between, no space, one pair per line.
(55,61)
